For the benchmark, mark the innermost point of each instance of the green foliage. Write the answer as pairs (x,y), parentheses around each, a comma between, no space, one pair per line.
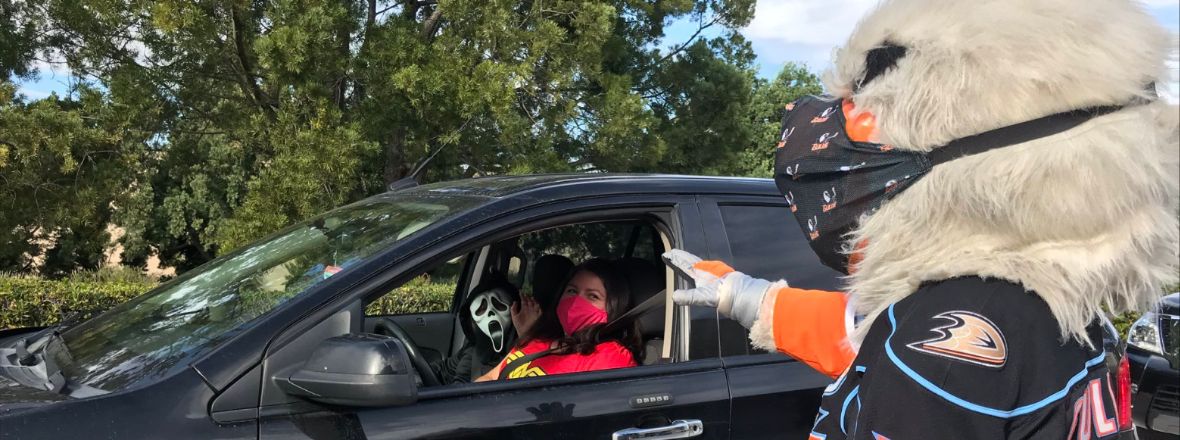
(64,166)
(27,301)
(229,119)
(793,82)
(420,295)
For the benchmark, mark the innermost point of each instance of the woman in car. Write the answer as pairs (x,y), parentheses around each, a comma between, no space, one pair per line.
(574,337)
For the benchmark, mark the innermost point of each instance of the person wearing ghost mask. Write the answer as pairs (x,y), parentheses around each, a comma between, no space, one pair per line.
(487,324)
(573,338)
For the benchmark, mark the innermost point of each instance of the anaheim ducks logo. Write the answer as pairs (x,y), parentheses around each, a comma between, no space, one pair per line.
(822,142)
(782,140)
(793,171)
(885,148)
(969,337)
(823,117)
(790,196)
(829,199)
(813,227)
(790,106)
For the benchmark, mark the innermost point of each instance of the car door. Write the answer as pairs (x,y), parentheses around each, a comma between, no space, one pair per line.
(690,393)
(773,396)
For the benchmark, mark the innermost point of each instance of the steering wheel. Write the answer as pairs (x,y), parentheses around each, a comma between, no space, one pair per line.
(388,327)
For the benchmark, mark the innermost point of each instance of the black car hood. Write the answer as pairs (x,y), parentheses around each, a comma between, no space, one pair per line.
(1170,304)
(16,397)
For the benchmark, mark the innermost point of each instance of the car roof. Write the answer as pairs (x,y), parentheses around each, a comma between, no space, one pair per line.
(595,184)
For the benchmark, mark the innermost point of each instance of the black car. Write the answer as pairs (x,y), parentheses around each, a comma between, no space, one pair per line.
(1153,370)
(274,340)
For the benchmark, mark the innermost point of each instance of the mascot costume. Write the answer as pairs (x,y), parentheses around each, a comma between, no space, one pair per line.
(990,174)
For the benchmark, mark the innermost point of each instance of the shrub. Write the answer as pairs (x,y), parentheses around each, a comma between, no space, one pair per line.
(27,301)
(419,295)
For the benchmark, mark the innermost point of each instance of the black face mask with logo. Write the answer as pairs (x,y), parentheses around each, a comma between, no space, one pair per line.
(830,181)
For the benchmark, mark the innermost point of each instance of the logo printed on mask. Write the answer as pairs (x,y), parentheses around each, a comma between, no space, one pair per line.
(791,171)
(885,148)
(847,168)
(890,185)
(823,117)
(822,142)
(782,141)
(829,199)
(790,196)
(790,106)
(813,227)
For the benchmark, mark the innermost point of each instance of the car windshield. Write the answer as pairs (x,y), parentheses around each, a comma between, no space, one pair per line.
(150,335)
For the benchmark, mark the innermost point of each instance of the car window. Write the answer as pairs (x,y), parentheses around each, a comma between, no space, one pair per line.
(766,243)
(581,242)
(430,292)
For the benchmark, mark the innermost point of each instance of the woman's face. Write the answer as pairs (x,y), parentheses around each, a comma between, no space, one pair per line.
(589,287)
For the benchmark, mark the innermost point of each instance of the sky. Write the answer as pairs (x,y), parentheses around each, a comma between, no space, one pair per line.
(803,31)
(806,31)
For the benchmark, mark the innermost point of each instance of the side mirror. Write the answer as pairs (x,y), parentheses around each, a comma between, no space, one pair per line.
(354,370)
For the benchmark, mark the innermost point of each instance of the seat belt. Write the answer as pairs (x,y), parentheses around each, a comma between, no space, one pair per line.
(644,306)
(640,309)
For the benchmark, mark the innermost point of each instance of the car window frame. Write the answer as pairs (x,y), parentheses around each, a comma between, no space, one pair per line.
(718,243)
(678,217)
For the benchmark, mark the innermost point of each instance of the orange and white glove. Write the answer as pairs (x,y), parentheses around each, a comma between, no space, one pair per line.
(734,294)
(809,325)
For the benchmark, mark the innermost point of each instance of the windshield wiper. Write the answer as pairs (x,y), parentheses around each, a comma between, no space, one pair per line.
(26,361)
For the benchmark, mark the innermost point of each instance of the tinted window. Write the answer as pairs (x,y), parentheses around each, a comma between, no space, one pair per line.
(766,242)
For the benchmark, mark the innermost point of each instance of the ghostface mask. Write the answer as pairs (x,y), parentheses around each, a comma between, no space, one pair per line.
(490,314)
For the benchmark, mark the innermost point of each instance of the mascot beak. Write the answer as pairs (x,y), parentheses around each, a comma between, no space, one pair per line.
(860,126)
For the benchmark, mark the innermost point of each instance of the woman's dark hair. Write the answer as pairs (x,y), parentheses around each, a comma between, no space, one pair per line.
(618,302)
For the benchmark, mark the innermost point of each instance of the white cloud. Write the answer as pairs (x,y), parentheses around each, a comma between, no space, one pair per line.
(803,31)
(806,21)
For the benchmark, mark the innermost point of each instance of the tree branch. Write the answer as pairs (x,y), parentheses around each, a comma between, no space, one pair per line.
(430,26)
(249,86)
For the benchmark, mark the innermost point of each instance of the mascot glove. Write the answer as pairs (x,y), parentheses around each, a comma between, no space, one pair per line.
(734,294)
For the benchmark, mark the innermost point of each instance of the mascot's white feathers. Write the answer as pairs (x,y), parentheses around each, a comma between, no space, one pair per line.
(1084,218)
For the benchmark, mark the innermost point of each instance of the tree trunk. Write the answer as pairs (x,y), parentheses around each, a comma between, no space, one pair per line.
(395,158)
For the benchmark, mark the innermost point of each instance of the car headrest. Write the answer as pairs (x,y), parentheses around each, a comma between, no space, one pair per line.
(646,279)
(549,272)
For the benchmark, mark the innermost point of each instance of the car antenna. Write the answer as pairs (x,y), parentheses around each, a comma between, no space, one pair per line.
(411,180)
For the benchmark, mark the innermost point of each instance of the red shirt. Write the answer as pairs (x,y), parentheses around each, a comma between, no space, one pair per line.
(606,355)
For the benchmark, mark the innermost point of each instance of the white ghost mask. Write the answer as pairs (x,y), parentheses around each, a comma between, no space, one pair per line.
(489,312)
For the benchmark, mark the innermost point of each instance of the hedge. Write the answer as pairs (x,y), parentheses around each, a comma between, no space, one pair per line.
(33,302)
(27,301)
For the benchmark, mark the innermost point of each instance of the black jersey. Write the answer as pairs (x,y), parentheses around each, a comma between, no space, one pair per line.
(969,358)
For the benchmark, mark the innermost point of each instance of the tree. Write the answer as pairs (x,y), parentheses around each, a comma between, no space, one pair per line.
(766,110)
(222,120)
(63,168)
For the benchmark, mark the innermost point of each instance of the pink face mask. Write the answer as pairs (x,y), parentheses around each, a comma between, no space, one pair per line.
(575,313)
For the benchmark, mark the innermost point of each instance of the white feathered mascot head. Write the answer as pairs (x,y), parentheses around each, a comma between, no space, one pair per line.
(1084,218)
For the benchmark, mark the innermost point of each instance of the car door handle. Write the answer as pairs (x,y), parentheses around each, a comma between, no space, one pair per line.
(678,429)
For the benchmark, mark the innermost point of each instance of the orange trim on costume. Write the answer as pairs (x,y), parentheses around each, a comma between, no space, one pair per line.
(809,326)
(717,268)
